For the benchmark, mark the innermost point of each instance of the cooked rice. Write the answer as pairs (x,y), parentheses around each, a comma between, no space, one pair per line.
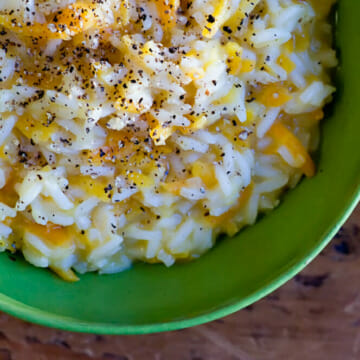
(142,129)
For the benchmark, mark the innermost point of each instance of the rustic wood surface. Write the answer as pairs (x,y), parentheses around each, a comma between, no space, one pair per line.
(315,316)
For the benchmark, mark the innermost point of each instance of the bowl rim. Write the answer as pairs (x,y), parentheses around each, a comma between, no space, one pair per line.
(41,317)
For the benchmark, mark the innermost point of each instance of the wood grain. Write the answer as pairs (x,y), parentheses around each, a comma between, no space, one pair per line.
(314,316)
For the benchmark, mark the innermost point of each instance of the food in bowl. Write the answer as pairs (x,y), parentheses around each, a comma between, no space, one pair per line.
(134,130)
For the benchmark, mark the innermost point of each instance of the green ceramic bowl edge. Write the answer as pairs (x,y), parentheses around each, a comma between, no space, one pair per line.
(39,317)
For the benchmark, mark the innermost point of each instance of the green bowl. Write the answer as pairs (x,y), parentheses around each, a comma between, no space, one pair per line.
(238,271)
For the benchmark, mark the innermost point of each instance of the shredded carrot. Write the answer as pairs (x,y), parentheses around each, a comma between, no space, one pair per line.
(51,233)
(247,65)
(274,95)
(234,52)
(76,18)
(65,23)
(244,8)
(167,12)
(285,62)
(37,30)
(224,218)
(204,172)
(284,137)
(215,20)
(141,180)
(67,275)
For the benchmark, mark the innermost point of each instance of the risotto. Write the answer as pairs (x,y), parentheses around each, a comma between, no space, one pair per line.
(142,129)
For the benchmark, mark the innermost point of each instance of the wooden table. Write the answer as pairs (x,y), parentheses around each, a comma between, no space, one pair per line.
(315,316)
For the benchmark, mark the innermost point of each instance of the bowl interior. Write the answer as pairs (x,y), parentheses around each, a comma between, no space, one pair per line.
(237,271)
